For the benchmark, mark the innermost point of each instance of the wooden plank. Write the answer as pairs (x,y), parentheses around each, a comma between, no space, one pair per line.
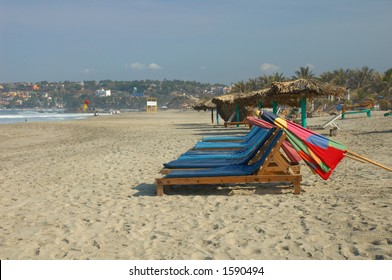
(296,169)
(268,178)
(262,150)
(294,179)
(274,168)
(227,124)
(284,157)
(227,180)
(281,162)
(274,150)
(297,187)
(168,170)
(159,190)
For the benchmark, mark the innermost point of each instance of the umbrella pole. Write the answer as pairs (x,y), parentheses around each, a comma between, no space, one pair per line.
(303,112)
(274,107)
(355,158)
(260,104)
(361,158)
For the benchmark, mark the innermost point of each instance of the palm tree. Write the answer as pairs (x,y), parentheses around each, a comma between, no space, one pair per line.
(388,75)
(303,73)
(341,77)
(264,81)
(386,89)
(278,77)
(387,79)
(362,77)
(239,87)
(327,77)
(251,85)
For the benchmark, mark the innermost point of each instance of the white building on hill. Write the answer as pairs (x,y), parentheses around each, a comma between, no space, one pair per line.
(103,92)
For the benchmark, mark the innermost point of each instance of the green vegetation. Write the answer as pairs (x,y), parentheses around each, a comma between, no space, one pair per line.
(364,83)
(71,95)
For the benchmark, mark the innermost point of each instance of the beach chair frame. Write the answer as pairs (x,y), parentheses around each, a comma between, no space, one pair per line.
(276,168)
(278,159)
(330,122)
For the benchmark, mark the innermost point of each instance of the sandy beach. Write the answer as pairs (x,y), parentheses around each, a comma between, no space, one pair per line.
(85,189)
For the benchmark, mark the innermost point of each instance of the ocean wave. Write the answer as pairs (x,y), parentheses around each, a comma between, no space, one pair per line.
(15,116)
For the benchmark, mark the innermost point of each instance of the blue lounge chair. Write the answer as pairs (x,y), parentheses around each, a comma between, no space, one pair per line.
(267,166)
(203,162)
(232,138)
(230,145)
(225,153)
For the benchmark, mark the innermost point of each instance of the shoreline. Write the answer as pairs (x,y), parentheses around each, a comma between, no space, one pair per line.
(84,189)
(11,116)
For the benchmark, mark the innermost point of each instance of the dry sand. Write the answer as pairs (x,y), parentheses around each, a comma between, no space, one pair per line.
(85,190)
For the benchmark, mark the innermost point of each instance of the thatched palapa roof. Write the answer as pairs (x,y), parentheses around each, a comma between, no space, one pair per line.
(226,105)
(285,93)
(205,105)
(252,98)
(227,98)
(291,92)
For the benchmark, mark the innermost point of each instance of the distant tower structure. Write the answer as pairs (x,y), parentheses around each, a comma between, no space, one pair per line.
(152,104)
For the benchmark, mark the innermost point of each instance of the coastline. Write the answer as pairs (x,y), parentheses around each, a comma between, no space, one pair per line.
(10,116)
(84,189)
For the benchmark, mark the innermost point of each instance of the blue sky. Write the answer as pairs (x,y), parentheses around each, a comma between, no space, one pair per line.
(223,41)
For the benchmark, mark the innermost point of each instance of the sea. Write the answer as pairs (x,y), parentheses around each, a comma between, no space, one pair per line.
(8,116)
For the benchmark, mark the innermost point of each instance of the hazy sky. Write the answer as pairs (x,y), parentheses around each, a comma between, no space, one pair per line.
(222,41)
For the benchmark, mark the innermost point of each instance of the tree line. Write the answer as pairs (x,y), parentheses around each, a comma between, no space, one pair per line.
(364,83)
(71,95)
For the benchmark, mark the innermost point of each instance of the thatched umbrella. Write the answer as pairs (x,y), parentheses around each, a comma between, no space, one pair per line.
(296,92)
(206,105)
(253,98)
(226,106)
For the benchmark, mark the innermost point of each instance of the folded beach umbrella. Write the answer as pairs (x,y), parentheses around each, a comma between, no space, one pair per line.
(321,154)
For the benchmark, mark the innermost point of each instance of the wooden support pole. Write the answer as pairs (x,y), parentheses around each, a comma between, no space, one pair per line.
(303,111)
(274,107)
(297,187)
(159,190)
(362,158)
(355,158)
